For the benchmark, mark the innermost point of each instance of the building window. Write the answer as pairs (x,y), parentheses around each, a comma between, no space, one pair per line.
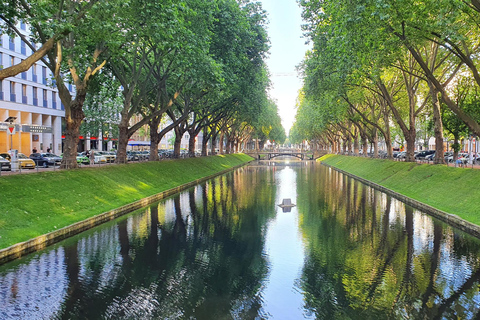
(1,59)
(34,73)
(45,102)
(54,100)
(12,92)
(24,93)
(35,96)
(1,90)
(12,61)
(44,75)
(23,48)
(23,26)
(11,44)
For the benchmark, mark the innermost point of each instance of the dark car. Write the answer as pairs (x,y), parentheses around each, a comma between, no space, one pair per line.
(422,154)
(57,160)
(41,160)
(5,164)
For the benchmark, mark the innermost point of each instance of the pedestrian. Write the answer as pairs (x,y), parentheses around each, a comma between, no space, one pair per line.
(92,157)
(34,150)
(48,150)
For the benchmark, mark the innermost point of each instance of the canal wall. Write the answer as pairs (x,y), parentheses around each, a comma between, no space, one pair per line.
(38,243)
(449,218)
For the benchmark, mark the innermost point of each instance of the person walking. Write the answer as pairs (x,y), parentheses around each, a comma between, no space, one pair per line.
(92,157)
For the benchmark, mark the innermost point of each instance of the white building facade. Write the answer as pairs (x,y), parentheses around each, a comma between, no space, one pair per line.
(31,100)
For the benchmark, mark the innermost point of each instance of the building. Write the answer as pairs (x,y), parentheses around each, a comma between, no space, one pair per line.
(30,100)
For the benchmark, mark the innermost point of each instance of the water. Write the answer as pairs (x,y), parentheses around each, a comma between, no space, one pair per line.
(225,250)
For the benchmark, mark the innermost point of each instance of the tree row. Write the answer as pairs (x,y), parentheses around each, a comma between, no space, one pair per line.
(199,64)
(387,70)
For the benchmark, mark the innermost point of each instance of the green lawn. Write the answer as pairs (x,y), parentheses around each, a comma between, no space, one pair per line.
(454,190)
(35,204)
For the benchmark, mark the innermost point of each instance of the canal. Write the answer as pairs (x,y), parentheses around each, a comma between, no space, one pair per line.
(225,250)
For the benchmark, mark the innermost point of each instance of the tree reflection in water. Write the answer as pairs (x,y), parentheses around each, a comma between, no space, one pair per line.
(207,254)
(370,256)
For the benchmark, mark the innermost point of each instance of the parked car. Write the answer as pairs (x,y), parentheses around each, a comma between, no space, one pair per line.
(109,156)
(82,159)
(24,161)
(132,156)
(57,160)
(430,157)
(461,159)
(98,158)
(41,160)
(402,155)
(422,154)
(5,164)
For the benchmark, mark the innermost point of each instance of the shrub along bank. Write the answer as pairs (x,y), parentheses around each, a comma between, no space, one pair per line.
(35,204)
(450,189)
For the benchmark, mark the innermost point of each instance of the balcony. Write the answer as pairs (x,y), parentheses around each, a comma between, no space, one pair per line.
(11,46)
(23,50)
(1,95)
(13,97)
(24,75)
(24,99)
(54,105)
(44,80)
(62,107)
(35,101)
(34,77)
(45,103)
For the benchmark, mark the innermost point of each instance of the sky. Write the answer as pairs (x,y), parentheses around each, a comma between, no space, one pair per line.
(287,51)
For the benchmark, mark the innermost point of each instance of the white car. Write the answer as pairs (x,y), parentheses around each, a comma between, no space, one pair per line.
(99,158)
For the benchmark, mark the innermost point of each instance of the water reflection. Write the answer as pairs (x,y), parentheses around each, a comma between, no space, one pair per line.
(370,256)
(224,249)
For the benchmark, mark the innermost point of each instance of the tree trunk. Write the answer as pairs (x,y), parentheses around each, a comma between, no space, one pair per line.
(365,145)
(191,143)
(356,145)
(410,138)
(122,141)
(220,144)
(154,138)
(177,144)
(204,147)
(72,133)
(229,145)
(214,142)
(437,119)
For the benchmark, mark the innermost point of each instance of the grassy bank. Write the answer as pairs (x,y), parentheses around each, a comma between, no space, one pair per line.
(35,204)
(453,190)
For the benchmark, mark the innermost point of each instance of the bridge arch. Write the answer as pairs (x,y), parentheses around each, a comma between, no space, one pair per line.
(299,156)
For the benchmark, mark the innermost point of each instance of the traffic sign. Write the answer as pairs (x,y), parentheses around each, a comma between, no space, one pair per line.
(11,129)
